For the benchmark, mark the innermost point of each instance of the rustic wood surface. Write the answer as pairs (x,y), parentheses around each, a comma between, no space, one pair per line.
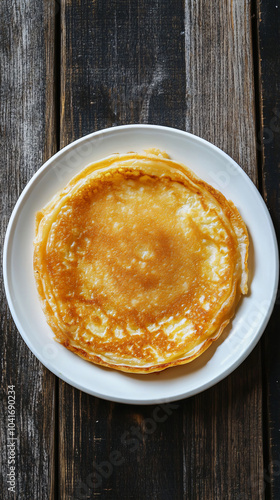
(268,16)
(28,138)
(69,68)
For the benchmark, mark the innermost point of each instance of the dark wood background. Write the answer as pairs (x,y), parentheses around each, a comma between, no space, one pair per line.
(72,67)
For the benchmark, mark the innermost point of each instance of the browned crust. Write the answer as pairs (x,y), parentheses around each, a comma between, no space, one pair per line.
(142,370)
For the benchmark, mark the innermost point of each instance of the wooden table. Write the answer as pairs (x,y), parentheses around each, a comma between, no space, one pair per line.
(72,67)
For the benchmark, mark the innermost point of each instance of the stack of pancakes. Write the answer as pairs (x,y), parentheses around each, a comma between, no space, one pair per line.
(139,264)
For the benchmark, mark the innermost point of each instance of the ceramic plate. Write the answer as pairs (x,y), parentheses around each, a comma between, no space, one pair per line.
(254,310)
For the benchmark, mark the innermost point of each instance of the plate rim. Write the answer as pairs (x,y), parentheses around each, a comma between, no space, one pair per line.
(11,229)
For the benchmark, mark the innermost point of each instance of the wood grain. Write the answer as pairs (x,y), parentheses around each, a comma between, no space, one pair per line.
(27,139)
(122,62)
(113,74)
(268,17)
(220,80)
(188,65)
(221,108)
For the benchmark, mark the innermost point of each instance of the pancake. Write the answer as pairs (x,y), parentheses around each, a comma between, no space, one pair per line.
(139,264)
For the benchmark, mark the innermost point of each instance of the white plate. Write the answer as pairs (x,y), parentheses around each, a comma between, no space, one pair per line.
(216,168)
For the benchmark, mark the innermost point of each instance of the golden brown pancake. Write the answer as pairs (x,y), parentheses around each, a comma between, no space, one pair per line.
(139,264)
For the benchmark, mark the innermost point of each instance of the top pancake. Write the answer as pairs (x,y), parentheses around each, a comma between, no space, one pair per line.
(139,264)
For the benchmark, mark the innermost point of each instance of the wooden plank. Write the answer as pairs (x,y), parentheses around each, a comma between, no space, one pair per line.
(225,435)
(27,139)
(114,71)
(268,17)
(220,84)
(121,63)
(187,65)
